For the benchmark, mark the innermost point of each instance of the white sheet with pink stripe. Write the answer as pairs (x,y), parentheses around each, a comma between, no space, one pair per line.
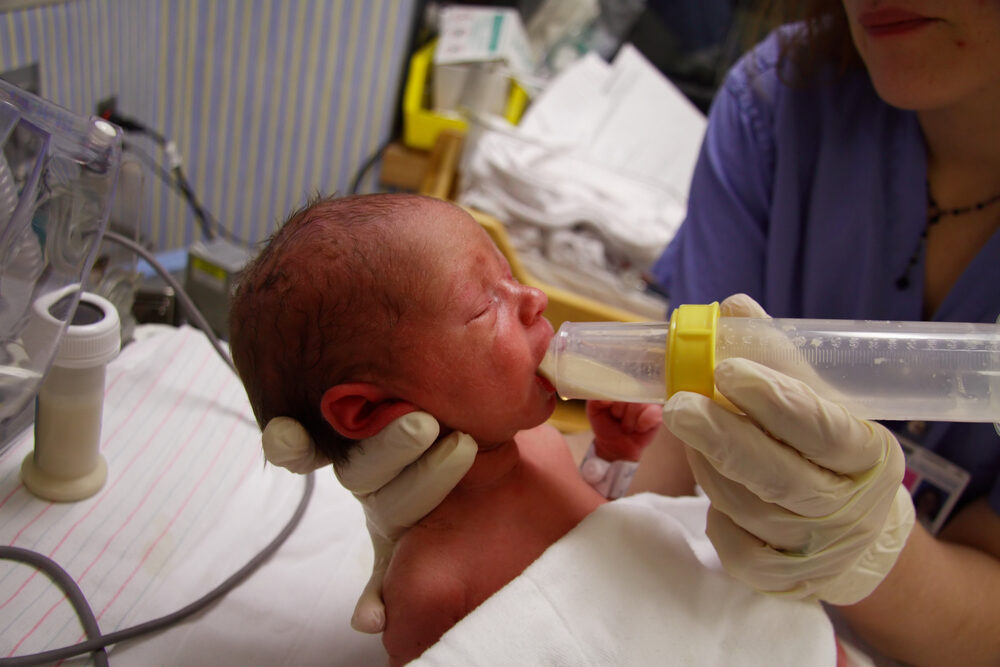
(187,502)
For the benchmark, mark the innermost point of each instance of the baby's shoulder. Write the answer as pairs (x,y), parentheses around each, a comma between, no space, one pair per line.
(425,586)
(420,607)
(422,601)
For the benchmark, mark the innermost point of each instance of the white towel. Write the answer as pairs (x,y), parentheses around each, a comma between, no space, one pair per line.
(636,583)
(609,146)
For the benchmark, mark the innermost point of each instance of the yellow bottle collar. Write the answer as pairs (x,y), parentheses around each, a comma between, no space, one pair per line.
(690,360)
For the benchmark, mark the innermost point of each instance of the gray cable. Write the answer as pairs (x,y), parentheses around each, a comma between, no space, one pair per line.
(62,579)
(97,641)
(182,296)
(170,619)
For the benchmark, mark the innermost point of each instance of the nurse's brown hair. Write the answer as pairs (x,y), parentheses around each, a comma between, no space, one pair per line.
(823,41)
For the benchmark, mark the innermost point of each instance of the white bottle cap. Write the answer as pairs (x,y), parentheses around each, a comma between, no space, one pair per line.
(92,338)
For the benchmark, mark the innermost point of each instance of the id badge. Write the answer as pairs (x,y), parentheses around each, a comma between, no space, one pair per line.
(934,483)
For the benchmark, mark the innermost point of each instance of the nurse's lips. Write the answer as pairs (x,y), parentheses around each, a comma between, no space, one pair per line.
(892,21)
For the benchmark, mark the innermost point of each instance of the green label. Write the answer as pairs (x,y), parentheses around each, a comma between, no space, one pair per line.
(495,37)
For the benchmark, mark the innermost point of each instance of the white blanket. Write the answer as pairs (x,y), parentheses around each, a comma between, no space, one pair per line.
(636,583)
(611,147)
(187,502)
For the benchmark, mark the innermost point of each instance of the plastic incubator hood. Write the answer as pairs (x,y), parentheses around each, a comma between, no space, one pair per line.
(58,172)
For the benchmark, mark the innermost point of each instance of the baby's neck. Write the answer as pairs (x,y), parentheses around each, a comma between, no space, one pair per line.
(491,466)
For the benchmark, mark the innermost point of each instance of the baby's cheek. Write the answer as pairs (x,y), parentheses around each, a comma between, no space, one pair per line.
(511,360)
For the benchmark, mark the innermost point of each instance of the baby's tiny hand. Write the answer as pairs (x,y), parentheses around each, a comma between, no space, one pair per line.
(622,430)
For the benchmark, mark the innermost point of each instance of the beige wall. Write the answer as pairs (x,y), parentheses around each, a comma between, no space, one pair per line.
(268,101)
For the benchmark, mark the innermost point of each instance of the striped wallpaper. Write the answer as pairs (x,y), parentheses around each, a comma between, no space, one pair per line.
(268,101)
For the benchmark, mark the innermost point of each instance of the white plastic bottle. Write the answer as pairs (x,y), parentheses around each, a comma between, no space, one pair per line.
(933,371)
(66,464)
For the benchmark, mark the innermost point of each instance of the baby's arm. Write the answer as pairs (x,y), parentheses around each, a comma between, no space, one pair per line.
(621,432)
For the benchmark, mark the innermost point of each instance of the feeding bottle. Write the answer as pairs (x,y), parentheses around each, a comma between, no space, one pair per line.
(933,371)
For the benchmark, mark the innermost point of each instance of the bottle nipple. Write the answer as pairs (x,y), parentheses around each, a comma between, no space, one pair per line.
(547,369)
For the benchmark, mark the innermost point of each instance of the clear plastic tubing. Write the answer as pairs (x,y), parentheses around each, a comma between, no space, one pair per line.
(934,371)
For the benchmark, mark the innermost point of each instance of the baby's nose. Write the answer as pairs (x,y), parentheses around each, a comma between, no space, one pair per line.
(533,304)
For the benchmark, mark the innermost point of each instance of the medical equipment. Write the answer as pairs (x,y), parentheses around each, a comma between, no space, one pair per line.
(213,267)
(934,371)
(67,464)
(58,176)
(58,173)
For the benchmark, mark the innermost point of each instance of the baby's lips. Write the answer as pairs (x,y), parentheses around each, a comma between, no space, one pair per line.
(547,367)
(546,382)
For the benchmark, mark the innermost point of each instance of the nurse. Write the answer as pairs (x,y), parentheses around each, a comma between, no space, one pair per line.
(851,169)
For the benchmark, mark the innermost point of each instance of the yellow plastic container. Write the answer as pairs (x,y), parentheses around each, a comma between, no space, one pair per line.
(421,126)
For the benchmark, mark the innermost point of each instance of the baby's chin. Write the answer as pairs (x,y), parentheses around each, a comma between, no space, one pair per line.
(544,413)
(501,427)
(493,439)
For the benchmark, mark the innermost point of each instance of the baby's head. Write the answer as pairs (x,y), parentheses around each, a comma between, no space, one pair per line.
(317,307)
(361,309)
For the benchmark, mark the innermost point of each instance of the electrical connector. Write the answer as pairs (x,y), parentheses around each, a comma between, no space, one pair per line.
(106,107)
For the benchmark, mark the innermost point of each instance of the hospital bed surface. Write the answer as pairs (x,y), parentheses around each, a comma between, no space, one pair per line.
(188,501)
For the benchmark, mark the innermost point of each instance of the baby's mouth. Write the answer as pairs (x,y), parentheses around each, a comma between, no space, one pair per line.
(546,368)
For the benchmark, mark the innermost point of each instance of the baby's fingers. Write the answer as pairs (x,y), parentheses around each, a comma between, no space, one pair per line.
(649,418)
(637,417)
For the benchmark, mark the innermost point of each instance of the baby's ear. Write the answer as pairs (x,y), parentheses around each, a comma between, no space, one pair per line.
(359,410)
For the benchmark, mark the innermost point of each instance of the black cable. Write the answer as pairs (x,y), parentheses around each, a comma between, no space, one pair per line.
(164,622)
(363,169)
(62,579)
(132,125)
(208,224)
(153,165)
(169,179)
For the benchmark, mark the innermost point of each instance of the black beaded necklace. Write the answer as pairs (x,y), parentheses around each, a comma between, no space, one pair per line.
(934,215)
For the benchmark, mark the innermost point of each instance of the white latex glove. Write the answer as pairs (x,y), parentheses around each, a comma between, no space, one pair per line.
(398,475)
(806,499)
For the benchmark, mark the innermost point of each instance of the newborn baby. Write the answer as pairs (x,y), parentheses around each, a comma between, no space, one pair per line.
(363,309)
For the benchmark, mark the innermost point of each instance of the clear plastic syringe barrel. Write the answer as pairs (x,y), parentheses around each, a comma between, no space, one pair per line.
(934,371)
(616,361)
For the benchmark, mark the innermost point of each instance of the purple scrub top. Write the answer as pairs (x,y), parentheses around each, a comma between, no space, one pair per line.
(812,200)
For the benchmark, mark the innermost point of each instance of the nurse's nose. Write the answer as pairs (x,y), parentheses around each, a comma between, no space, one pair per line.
(533,303)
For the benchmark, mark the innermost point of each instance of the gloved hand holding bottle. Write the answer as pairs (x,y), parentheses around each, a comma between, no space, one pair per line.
(806,499)
(398,475)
